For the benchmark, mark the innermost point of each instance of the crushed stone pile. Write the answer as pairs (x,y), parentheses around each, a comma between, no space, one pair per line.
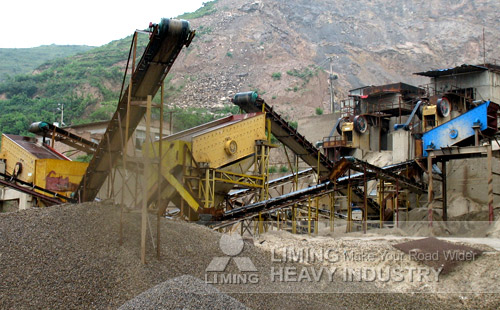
(69,257)
(184,292)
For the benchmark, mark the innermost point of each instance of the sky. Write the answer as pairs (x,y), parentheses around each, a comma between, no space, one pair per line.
(32,23)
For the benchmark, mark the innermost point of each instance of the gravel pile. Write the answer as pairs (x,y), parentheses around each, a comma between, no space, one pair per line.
(184,292)
(69,257)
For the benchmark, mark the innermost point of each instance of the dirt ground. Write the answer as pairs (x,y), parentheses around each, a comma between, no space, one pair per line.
(375,251)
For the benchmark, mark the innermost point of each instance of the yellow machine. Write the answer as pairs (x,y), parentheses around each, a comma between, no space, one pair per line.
(29,161)
(354,138)
(60,176)
(347,133)
(436,114)
(201,165)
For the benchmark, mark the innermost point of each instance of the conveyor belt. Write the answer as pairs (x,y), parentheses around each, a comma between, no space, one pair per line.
(251,102)
(45,129)
(273,183)
(388,172)
(358,198)
(33,190)
(165,43)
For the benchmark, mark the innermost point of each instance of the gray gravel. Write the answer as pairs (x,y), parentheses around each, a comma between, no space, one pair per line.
(68,257)
(184,292)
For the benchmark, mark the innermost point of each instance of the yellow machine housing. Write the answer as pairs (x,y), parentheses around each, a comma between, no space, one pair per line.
(432,118)
(14,154)
(32,162)
(354,139)
(61,176)
(201,165)
(348,133)
(229,141)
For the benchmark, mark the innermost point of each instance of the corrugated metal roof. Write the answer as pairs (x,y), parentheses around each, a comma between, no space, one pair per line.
(465,68)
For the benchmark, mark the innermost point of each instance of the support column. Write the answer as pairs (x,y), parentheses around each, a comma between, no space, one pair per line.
(476,134)
(160,157)
(397,203)
(309,218)
(332,209)
(316,221)
(261,226)
(430,195)
(144,213)
(444,190)
(491,215)
(365,201)
(349,208)
(381,202)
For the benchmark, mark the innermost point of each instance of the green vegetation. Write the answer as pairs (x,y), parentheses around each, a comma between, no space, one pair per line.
(319,111)
(229,54)
(203,30)
(88,86)
(273,169)
(15,61)
(274,97)
(102,113)
(185,118)
(305,74)
(276,76)
(84,158)
(208,8)
(294,124)
(79,82)
(283,169)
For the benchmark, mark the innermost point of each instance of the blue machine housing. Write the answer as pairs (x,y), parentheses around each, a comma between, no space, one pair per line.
(461,127)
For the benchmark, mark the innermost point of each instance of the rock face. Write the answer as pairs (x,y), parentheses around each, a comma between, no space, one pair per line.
(244,45)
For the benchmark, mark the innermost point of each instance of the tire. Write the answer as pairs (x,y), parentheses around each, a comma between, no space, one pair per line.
(443,107)
(360,124)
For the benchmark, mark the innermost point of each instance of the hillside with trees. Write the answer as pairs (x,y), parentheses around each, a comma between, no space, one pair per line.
(281,50)
(15,61)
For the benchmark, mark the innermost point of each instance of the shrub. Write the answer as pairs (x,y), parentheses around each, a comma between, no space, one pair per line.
(273,169)
(319,111)
(283,169)
(207,9)
(84,158)
(276,76)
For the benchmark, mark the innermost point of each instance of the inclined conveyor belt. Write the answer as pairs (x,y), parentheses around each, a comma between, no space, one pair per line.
(165,43)
(273,183)
(372,172)
(286,134)
(48,130)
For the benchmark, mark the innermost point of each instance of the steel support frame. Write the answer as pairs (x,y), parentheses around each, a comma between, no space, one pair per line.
(211,177)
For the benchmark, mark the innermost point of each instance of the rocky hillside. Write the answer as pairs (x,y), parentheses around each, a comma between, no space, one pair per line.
(281,49)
